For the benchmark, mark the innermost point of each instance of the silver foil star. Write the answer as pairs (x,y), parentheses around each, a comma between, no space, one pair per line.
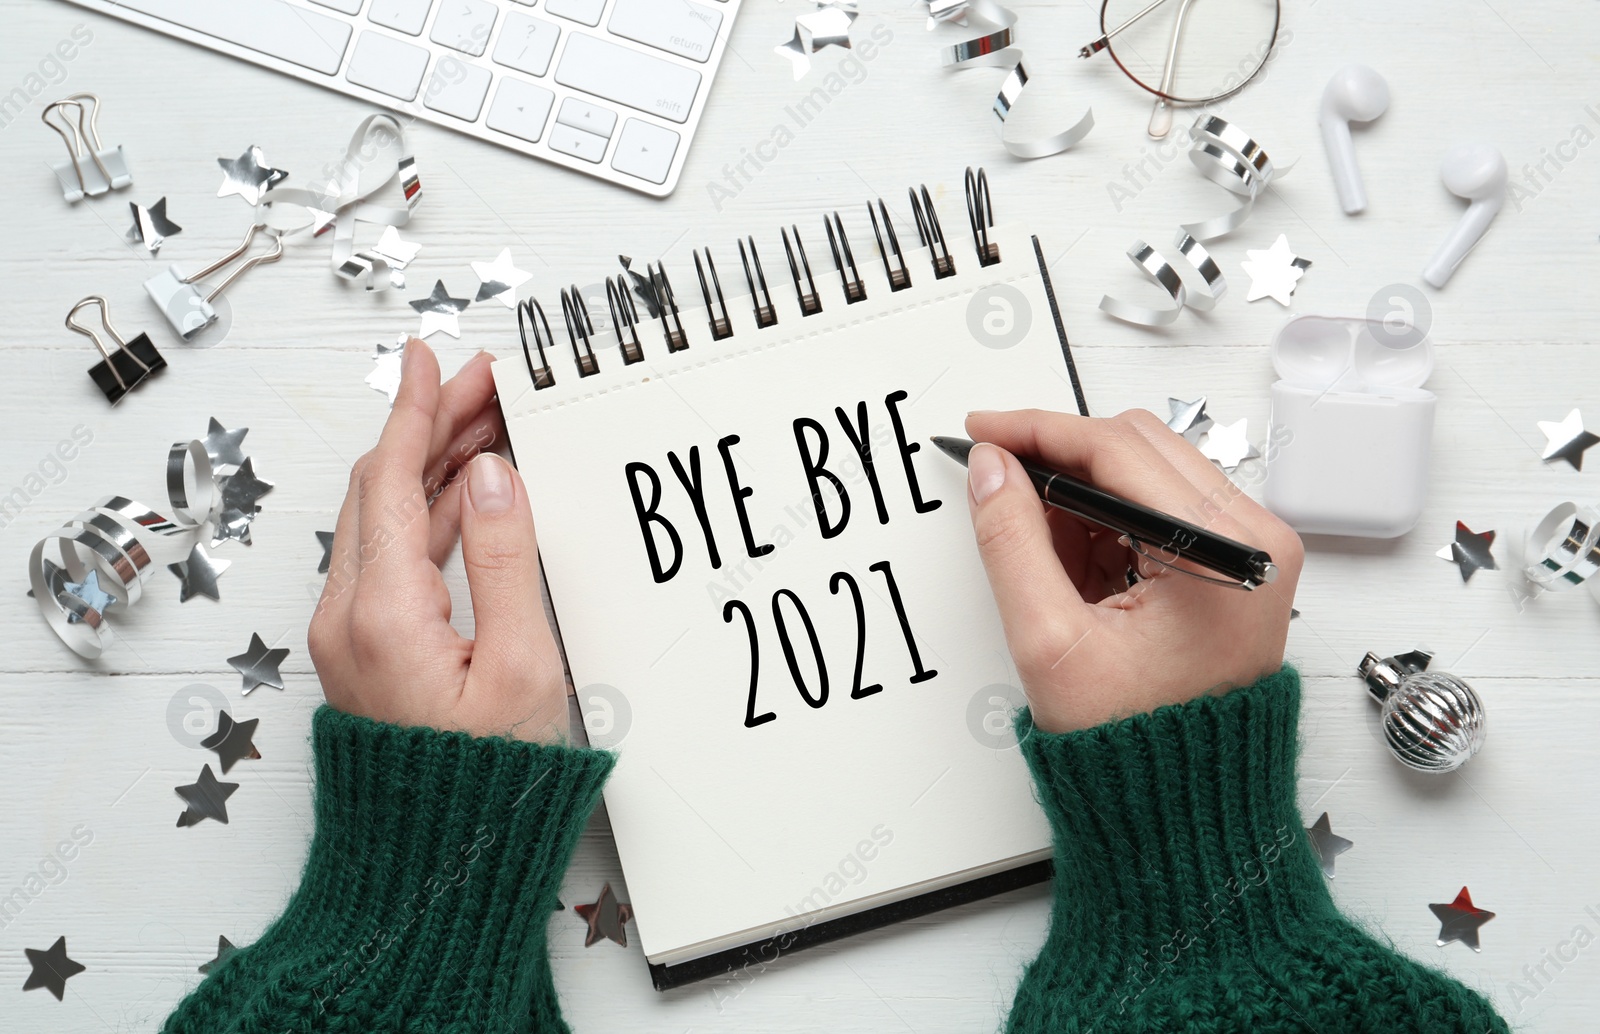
(223,446)
(51,968)
(1566,439)
(206,799)
(439,312)
(386,378)
(500,279)
(1227,446)
(89,592)
(233,524)
(232,741)
(224,949)
(248,175)
(198,575)
(1328,844)
(1274,272)
(258,666)
(151,227)
(607,917)
(241,489)
(325,539)
(827,26)
(1470,551)
(1460,920)
(1189,418)
(394,249)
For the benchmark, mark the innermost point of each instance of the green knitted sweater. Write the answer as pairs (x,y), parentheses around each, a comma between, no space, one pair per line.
(1187,899)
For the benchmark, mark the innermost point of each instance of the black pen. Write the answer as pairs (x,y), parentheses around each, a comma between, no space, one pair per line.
(1145,528)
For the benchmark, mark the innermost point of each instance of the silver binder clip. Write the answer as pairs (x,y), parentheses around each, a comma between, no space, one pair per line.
(119,370)
(91,168)
(179,298)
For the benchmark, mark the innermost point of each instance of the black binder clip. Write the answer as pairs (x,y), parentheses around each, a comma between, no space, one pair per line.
(624,320)
(667,304)
(716,318)
(530,316)
(844,261)
(91,168)
(760,297)
(931,234)
(899,276)
(122,369)
(579,328)
(810,304)
(980,213)
(180,301)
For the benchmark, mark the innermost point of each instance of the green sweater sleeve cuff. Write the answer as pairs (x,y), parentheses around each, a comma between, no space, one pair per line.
(433,870)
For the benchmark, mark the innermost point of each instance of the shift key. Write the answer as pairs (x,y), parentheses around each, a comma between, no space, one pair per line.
(628,76)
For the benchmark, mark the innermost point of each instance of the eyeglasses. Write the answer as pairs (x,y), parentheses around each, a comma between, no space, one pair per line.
(1226,44)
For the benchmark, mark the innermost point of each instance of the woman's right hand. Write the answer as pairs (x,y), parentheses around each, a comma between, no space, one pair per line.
(1088,647)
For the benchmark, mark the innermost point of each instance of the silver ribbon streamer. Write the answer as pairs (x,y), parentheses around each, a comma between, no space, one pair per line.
(1184,292)
(346,199)
(1229,157)
(997,49)
(121,541)
(1563,549)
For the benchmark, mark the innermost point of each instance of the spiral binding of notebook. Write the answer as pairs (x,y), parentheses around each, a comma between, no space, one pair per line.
(626,291)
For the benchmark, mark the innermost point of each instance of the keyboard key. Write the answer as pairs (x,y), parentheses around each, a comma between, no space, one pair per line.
(676,26)
(520,109)
(347,6)
(628,76)
(526,43)
(457,88)
(404,16)
(580,114)
(576,142)
(295,34)
(645,150)
(387,65)
(464,25)
(585,11)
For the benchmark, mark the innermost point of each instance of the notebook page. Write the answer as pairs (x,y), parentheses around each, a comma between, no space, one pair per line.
(727,820)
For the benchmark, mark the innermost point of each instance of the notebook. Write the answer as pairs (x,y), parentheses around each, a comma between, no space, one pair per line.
(765,579)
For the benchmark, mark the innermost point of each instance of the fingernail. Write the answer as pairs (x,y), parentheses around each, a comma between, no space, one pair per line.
(986,471)
(489,483)
(408,357)
(979,412)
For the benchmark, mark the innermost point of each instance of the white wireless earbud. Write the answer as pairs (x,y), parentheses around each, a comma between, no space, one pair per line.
(1478,173)
(1355,94)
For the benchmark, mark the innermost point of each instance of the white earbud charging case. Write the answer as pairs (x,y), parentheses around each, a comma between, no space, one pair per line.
(1351,427)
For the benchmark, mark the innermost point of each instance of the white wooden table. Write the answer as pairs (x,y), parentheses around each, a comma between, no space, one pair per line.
(102,745)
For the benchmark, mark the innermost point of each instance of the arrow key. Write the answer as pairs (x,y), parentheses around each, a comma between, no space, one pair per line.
(645,150)
(591,118)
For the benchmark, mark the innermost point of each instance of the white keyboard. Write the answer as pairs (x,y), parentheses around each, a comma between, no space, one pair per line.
(611,88)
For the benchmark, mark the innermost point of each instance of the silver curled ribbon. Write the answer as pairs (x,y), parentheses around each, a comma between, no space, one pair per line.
(346,199)
(1200,290)
(120,542)
(998,48)
(1231,158)
(1563,549)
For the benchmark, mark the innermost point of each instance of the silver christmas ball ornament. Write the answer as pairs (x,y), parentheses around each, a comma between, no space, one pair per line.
(1432,721)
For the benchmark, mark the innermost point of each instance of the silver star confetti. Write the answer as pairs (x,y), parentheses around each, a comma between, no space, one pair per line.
(206,799)
(439,312)
(241,489)
(50,969)
(151,227)
(222,445)
(607,917)
(1566,439)
(233,524)
(1189,418)
(248,175)
(827,26)
(198,574)
(89,592)
(1459,920)
(224,949)
(325,540)
(1470,550)
(1328,844)
(258,666)
(1274,272)
(232,741)
(1227,446)
(500,279)
(386,378)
